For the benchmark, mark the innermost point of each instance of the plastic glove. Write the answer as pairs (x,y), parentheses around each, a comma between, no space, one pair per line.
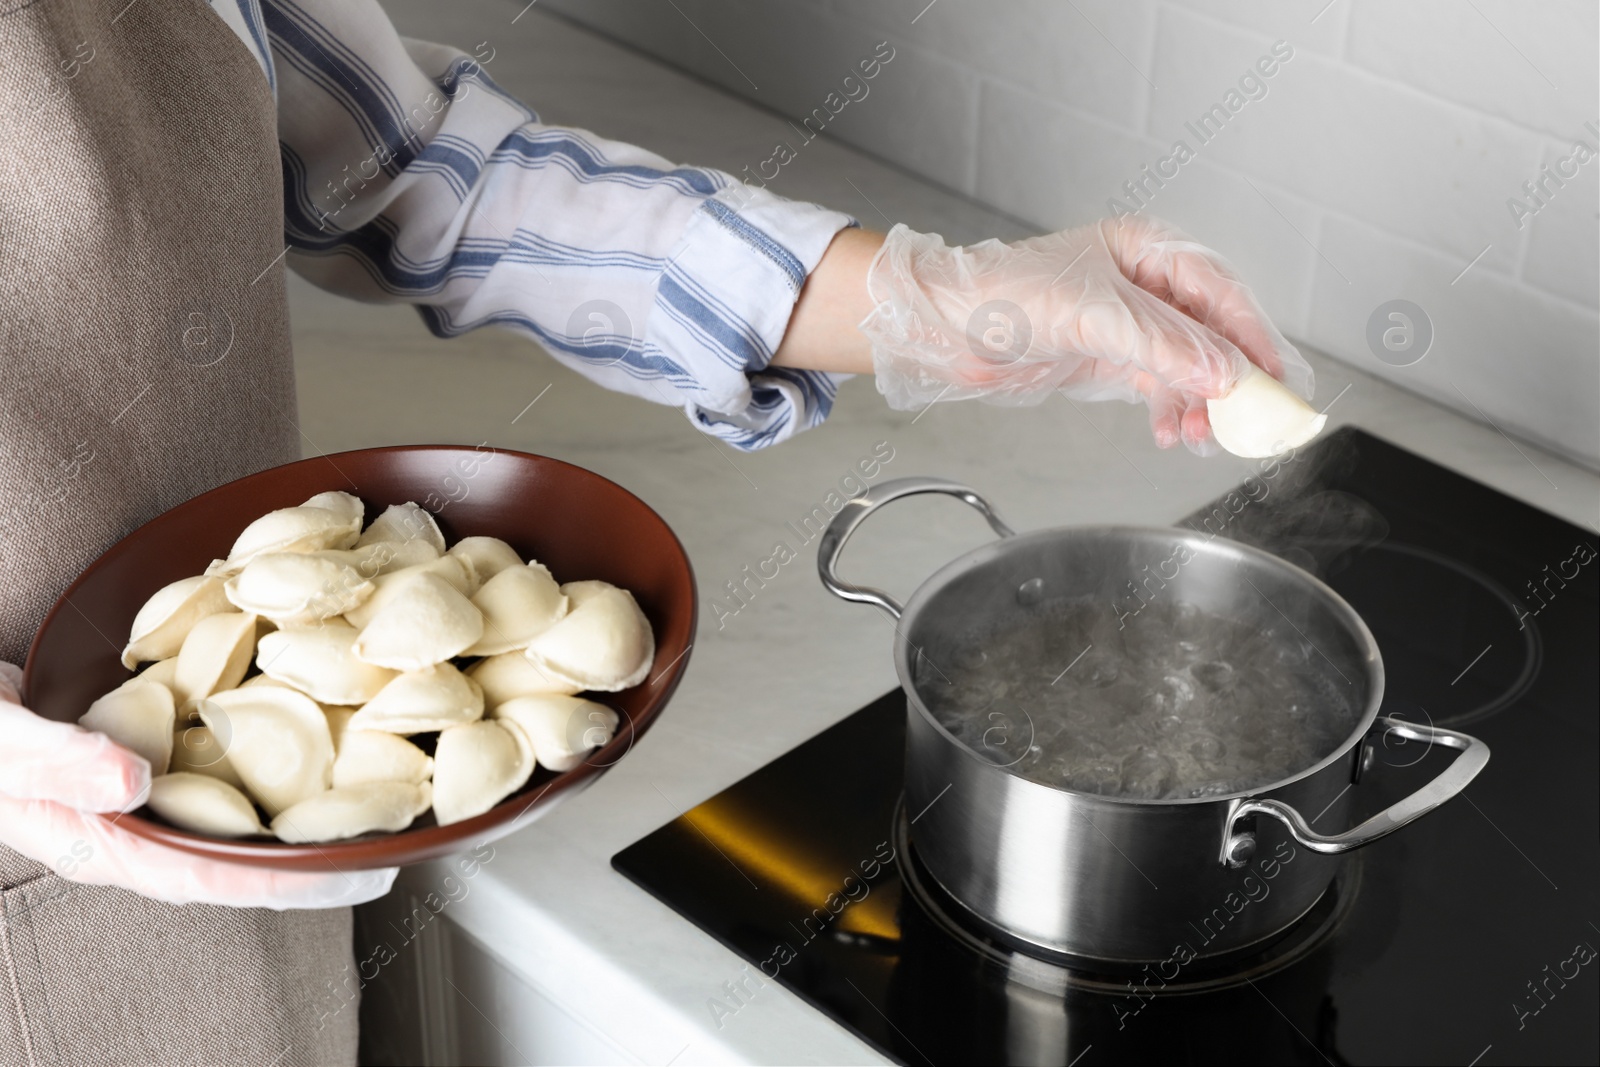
(56,777)
(1124,309)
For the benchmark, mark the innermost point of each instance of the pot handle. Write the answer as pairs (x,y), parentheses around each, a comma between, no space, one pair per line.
(858,508)
(1238,846)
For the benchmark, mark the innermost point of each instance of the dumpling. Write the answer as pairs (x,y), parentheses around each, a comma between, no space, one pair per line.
(334,521)
(347,507)
(561,729)
(196,750)
(476,766)
(518,604)
(214,656)
(204,805)
(1260,416)
(167,617)
(386,557)
(353,810)
(375,756)
(416,702)
(299,588)
(161,672)
(510,675)
(389,584)
(426,621)
(138,717)
(276,739)
(603,643)
(320,661)
(488,556)
(402,523)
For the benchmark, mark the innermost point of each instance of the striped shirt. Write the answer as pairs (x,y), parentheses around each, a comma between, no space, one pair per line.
(410,176)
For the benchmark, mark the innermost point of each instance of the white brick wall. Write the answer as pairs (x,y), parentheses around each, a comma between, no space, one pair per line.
(1376,166)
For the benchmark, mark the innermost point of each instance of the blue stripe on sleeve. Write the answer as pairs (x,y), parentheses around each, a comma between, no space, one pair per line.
(250,11)
(757,240)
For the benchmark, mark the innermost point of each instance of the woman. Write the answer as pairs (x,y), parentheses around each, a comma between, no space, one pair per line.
(163,161)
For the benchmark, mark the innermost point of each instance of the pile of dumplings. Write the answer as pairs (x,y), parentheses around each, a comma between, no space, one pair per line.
(361,640)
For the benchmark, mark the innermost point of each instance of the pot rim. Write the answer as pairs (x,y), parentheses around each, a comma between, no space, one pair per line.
(991,550)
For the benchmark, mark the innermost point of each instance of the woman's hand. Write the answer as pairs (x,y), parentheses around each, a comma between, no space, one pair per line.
(1126,309)
(56,780)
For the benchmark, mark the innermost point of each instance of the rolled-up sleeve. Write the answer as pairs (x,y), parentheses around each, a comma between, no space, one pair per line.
(410,176)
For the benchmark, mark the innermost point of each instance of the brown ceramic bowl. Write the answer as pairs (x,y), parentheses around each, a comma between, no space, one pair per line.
(575,522)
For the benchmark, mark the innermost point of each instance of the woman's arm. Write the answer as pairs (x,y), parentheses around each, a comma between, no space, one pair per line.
(410,176)
(823,333)
(1126,309)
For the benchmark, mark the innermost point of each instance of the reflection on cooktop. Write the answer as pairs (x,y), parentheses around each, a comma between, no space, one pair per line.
(1466,938)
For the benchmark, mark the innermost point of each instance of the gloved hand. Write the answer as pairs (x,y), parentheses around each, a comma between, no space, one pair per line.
(1126,309)
(54,779)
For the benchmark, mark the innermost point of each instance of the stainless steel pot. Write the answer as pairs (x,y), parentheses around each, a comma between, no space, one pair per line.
(1112,877)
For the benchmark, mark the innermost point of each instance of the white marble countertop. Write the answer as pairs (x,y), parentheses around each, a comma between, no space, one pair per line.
(795,660)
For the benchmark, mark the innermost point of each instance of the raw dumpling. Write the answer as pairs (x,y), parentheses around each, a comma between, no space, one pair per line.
(402,523)
(167,617)
(518,604)
(510,675)
(561,729)
(375,756)
(161,672)
(299,588)
(426,621)
(320,661)
(204,805)
(196,750)
(475,767)
(488,556)
(603,643)
(214,656)
(419,701)
(347,507)
(386,557)
(353,810)
(138,717)
(276,739)
(1261,417)
(333,522)
(389,583)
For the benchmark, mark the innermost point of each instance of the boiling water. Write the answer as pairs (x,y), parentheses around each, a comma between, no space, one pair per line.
(1176,702)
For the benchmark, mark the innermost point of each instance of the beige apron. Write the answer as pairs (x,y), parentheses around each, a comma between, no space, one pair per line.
(144,334)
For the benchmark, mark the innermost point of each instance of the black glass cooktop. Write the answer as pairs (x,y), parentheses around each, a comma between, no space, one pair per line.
(1469,937)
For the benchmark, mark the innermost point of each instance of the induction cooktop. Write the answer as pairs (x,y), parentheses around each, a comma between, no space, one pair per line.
(1468,937)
